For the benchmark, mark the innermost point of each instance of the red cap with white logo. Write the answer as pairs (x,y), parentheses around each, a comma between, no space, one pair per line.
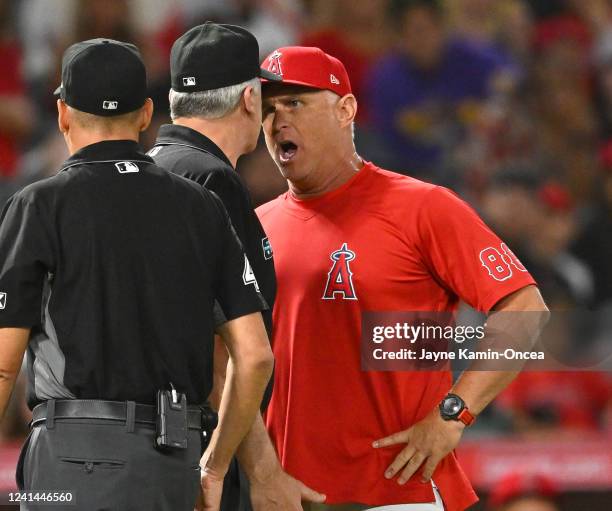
(308,66)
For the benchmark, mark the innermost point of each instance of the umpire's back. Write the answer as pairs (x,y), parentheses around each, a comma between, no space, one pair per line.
(133,255)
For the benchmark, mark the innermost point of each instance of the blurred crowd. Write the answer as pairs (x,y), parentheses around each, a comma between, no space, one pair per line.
(507,102)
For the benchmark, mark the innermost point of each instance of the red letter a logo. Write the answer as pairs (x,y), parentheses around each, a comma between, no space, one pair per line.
(340,277)
(274,63)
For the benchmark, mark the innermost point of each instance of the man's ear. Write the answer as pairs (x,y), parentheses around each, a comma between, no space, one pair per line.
(250,99)
(147,114)
(346,110)
(63,117)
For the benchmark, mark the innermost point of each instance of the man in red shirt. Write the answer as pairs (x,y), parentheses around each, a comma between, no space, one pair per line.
(349,238)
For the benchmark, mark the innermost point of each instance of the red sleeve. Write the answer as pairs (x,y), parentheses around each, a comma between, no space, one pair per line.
(464,254)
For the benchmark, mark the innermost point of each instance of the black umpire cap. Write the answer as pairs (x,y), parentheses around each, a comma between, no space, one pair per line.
(103,77)
(212,56)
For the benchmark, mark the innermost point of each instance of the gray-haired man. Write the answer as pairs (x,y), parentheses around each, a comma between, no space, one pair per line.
(215,105)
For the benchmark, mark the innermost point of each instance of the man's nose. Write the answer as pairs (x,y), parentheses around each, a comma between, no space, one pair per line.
(280,119)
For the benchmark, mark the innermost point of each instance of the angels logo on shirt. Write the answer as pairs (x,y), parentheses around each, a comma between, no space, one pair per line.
(340,276)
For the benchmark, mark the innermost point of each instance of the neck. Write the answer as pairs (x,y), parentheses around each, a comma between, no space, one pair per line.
(221,131)
(76,141)
(328,177)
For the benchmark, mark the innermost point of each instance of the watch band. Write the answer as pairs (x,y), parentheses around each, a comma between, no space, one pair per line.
(466,417)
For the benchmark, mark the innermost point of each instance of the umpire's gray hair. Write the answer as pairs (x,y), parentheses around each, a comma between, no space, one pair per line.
(209,104)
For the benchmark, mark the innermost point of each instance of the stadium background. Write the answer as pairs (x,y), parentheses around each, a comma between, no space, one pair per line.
(508,102)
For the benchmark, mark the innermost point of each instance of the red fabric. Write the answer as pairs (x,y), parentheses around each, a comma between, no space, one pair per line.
(556,197)
(562,28)
(414,247)
(577,397)
(357,62)
(312,67)
(605,156)
(517,485)
(11,84)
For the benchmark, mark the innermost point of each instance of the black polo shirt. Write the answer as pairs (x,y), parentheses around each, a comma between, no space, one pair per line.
(190,154)
(115,265)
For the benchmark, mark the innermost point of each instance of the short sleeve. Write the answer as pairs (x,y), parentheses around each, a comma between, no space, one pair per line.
(26,257)
(237,290)
(464,254)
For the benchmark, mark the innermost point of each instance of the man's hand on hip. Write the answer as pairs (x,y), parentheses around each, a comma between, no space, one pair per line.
(281,492)
(429,441)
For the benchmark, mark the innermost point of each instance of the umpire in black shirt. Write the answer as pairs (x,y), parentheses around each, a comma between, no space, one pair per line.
(108,275)
(215,105)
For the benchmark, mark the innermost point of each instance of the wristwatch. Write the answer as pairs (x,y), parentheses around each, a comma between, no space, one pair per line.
(453,408)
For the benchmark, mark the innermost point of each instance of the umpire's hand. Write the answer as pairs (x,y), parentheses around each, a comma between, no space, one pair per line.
(281,492)
(211,488)
(429,441)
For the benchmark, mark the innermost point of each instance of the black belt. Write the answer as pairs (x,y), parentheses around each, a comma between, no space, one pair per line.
(123,411)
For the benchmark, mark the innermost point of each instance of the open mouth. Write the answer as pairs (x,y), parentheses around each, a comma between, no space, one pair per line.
(287,151)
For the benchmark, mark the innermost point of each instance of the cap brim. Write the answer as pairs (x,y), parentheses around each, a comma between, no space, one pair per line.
(270,76)
(296,83)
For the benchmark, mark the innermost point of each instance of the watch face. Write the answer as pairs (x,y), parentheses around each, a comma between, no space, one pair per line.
(451,406)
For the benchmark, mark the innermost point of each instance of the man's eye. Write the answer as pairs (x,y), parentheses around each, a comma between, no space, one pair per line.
(295,102)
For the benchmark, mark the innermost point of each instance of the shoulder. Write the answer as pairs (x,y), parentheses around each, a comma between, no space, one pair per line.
(393,183)
(405,197)
(183,159)
(40,191)
(188,187)
(269,207)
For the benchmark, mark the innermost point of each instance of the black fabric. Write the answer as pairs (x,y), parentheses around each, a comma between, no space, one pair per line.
(132,258)
(105,468)
(190,154)
(212,56)
(109,410)
(103,77)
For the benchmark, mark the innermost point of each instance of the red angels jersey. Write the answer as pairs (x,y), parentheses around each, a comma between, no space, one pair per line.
(380,242)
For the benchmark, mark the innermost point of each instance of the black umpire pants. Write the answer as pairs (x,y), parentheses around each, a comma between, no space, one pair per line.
(106,468)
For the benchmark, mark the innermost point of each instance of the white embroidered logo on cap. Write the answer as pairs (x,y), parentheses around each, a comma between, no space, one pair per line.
(2,300)
(126,167)
(110,105)
(274,65)
(333,79)
(189,81)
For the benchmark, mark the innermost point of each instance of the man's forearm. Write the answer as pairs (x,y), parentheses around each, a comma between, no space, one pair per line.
(221,361)
(256,453)
(13,342)
(516,323)
(7,383)
(240,403)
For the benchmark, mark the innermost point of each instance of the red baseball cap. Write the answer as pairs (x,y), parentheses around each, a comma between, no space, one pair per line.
(308,66)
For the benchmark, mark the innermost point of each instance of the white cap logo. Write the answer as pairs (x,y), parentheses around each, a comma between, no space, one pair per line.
(110,105)
(274,65)
(333,79)
(2,300)
(189,81)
